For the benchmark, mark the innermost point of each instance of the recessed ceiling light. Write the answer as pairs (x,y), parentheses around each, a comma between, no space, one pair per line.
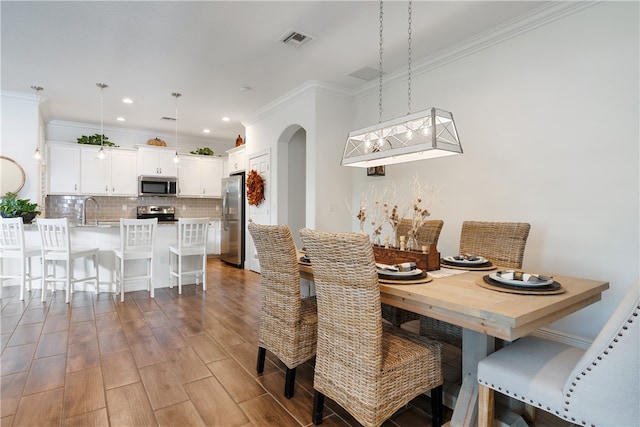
(127,100)
(206,131)
(225,119)
(120,119)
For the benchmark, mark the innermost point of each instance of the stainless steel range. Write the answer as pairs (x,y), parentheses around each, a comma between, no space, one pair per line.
(163,213)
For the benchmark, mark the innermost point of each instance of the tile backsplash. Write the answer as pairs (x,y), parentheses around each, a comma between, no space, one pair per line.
(112,208)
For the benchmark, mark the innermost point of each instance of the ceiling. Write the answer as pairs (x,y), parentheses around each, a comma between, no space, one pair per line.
(222,56)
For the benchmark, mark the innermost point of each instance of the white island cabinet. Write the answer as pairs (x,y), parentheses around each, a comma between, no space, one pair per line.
(106,237)
(63,168)
(157,161)
(114,175)
(200,176)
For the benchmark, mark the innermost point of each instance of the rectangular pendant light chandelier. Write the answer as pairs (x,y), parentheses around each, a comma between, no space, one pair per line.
(417,136)
(424,135)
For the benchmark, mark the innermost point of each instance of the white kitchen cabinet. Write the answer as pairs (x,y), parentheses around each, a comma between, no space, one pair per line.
(237,159)
(189,177)
(114,175)
(211,177)
(95,173)
(124,178)
(200,176)
(63,168)
(157,161)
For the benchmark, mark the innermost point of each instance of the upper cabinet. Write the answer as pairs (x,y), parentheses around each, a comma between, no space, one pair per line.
(63,168)
(200,176)
(157,161)
(237,158)
(114,175)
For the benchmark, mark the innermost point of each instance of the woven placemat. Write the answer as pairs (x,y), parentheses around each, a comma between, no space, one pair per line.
(424,278)
(552,289)
(480,267)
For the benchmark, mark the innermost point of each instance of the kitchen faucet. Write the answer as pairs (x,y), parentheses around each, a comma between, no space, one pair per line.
(84,208)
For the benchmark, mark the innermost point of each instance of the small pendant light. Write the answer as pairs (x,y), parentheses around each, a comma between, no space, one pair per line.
(36,154)
(101,154)
(176,158)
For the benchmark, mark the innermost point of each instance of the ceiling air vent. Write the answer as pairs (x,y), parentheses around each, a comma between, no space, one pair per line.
(171,119)
(295,38)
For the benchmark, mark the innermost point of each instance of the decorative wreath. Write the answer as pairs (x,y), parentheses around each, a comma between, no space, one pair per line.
(255,188)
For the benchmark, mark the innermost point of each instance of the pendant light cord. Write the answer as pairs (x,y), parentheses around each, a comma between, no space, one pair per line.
(409,63)
(380,63)
(176,95)
(102,86)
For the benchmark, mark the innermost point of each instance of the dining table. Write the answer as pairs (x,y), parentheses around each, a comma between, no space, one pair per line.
(484,314)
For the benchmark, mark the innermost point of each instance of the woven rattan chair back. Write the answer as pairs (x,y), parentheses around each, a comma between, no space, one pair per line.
(502,243)
(369,370)
(288,324)
(427,234)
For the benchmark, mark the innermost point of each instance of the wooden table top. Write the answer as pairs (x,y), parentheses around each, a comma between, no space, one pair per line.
(459,300)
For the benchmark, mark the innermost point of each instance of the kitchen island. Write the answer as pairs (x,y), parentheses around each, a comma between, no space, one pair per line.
(106,236)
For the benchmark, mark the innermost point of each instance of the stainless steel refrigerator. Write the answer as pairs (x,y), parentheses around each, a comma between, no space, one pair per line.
(233,217)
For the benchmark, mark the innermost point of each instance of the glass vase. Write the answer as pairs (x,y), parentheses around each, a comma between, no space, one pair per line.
(412,243)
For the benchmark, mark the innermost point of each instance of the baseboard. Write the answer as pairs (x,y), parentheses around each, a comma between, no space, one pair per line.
(563,337)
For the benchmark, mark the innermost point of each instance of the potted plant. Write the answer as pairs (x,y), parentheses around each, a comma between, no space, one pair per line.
(12,207)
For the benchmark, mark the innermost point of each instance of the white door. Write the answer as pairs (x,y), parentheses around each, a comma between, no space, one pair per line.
(259,214)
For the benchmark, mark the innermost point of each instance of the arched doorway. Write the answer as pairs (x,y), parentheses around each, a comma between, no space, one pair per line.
(292,181)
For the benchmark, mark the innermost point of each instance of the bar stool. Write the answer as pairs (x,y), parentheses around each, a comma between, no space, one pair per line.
(56,246)
(192,241)
(12,246)
(136,243)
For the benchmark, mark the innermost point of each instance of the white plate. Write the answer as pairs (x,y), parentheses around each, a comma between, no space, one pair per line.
(480,260)
(409,273)
(513,282)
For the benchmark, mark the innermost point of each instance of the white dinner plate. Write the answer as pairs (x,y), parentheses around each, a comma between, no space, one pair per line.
(513,282)
(465,261)
(409,273)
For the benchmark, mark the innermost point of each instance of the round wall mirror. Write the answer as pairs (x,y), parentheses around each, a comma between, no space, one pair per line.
(11,176)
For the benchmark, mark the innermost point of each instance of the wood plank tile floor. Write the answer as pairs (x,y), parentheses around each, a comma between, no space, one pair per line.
(179,360)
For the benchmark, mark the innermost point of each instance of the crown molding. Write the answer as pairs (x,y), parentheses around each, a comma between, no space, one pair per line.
(306,89)
(515,27)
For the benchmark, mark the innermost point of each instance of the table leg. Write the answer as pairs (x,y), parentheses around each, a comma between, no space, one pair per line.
(475,347)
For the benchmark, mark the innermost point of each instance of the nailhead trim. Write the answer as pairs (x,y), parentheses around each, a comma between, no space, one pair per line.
(574,383)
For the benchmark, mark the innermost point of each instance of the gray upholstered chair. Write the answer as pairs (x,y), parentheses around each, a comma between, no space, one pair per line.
(599,386)
(288,323)
(369,369)
(427,235)
(502,243)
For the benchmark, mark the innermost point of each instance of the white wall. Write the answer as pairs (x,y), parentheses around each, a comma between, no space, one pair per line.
(549,125)
(63,131)
(325,115)
(20,134)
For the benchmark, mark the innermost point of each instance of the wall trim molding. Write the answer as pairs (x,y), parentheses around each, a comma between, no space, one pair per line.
(515,27)
(308,88)
(563,337)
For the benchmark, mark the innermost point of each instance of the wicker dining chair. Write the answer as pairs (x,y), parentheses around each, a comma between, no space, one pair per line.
(288,323)
(369,369)
(427,235)
(502,243)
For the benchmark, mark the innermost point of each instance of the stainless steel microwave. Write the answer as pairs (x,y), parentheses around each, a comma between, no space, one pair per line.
(157,185)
